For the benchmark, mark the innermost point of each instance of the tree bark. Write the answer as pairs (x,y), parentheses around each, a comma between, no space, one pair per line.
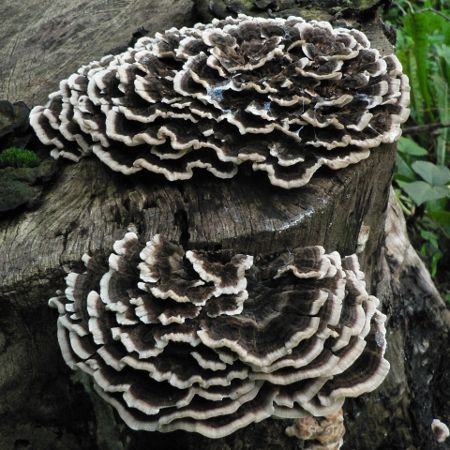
(44,406)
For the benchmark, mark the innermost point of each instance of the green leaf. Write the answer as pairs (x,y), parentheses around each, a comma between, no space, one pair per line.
(431,237)
(437,205)
(443,61)
(417,100)
(417,25)
(441,94)
(434,262)
(403,169)
(430,249)
(422,33)
(421,192)
(433,174)
(442,218)
(407,145)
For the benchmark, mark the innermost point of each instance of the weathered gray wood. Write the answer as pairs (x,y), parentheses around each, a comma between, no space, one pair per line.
(42,42)
(89,207)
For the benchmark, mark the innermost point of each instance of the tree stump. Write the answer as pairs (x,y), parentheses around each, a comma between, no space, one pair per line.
(87,208)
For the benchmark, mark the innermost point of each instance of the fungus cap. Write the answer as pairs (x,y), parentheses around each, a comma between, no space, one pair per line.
(285,96)
(440,430)
(210,342)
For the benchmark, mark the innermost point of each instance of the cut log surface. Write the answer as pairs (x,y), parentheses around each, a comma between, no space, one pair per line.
(42,42)
(87,207)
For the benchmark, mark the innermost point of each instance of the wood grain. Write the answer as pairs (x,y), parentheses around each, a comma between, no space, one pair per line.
(42,42)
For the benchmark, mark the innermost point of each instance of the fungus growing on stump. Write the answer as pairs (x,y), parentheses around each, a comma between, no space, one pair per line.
(285,96)
(440,430)
(210,342)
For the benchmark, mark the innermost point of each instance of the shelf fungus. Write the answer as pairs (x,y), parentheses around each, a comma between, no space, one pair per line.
(210,342)
(284,96)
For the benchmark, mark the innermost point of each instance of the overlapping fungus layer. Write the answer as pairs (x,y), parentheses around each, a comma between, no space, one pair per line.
(211,342)
(286,96)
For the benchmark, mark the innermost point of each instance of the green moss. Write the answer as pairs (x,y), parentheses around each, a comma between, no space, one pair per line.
(18,157)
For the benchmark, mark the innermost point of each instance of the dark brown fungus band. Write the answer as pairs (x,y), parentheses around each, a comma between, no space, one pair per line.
(209,343)
(285,95)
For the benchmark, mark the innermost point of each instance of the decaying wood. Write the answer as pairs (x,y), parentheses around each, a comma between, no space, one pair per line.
(41,42)
(87,207)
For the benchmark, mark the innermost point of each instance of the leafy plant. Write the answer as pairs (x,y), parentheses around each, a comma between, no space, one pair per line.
(18,157)
(422,178)
(425,184)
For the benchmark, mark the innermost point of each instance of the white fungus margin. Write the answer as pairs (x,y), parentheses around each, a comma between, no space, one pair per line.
(284,96)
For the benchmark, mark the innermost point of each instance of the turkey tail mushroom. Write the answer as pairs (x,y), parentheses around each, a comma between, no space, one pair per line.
(209,342)
(285,95)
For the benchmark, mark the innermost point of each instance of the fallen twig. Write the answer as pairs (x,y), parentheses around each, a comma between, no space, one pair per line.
(427,127)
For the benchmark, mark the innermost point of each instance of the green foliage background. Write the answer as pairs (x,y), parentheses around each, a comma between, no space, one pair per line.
(422,178)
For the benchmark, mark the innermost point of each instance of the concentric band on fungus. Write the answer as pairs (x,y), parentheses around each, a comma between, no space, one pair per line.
(208,342)
(287,96)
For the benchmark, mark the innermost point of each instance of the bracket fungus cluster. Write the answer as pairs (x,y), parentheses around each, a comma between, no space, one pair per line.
(285,96)
(210,342)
